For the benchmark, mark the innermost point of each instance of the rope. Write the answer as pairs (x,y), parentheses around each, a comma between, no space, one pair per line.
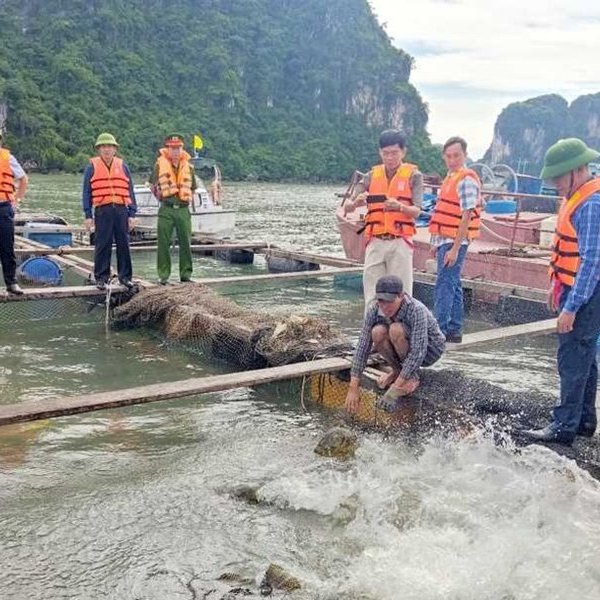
(501,237)
(107,302)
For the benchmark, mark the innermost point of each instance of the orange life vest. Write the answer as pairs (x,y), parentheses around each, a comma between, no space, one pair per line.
(174,181)
(380,220)
(448,213)
(110,185)
(7,178)
(565,259)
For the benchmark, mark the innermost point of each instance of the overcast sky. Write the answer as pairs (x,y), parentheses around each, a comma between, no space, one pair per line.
(473,57)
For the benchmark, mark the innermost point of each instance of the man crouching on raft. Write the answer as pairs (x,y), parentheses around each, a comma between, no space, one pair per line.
(405,333)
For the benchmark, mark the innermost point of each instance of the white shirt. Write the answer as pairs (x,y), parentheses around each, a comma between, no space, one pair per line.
(17,169)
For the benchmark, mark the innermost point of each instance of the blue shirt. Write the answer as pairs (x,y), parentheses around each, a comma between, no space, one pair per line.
(87,192)
(586,220)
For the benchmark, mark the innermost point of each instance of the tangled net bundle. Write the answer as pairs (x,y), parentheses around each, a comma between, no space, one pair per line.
(196,316)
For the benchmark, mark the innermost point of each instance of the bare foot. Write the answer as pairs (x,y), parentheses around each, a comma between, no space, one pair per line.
(386,379)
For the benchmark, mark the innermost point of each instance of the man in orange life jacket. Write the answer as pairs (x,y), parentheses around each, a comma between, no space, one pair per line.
(13,185)
(109,207)
(393,193)
(575,292)
(454,223)
(174,183)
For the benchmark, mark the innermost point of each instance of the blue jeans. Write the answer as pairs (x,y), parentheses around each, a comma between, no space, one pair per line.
(578,369)
(448,293)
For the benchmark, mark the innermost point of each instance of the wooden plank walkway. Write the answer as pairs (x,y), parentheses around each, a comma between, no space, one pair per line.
(87,290)
(32,410)
(299,275)
(55,293)
(67,250)
(79,264)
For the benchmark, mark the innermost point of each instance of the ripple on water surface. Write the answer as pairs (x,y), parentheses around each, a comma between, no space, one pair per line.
(133,505)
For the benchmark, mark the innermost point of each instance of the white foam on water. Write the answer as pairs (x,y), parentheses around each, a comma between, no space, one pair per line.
(462,519)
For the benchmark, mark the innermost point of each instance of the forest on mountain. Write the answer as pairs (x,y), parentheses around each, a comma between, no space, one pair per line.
(525,130)
(278,89)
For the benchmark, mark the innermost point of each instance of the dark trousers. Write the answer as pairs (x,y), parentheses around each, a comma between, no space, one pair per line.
(7,243)
(578,368)
(111,224)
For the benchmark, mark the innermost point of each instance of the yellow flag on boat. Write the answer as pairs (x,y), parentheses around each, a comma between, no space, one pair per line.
(198,143)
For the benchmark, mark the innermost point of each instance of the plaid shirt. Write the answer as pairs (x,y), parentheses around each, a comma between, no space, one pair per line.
(425,337)
(468,192)
(586,221)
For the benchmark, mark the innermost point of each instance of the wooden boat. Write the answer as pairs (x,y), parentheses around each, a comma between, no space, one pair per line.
(208,215)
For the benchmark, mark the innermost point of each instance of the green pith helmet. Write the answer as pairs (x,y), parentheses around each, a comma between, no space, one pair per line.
(565,156)
(106,139)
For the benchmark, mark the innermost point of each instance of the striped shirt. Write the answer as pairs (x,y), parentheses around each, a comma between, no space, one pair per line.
(468,192)
(426,340)
(586,221)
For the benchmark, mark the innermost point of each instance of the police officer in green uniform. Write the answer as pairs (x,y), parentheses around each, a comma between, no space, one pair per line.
(173,183)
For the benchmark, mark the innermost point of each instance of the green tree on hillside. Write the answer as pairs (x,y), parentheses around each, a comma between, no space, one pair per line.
(279,89)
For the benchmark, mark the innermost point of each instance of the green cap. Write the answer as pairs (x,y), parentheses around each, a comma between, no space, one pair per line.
(565,156)
(106,139)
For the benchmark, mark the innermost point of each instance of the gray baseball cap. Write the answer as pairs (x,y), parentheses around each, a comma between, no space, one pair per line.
(388,288)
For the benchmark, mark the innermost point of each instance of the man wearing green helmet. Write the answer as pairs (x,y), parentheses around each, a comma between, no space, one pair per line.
(109,207)
(575,293)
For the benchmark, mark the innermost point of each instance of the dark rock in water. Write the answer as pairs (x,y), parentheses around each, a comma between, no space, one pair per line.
(278,578)
(278,264)
(235,593)
(338,442)
(247,493)
(346,510)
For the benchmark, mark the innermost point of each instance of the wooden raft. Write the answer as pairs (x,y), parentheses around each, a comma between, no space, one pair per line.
(69,405)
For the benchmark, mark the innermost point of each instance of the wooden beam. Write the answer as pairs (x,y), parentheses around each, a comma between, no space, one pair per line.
(67,250)
(87,290)
(274,250)
(55,293)
(330,261)
(79,264)
(300,275)
(505,333)
(51,228)
(82,270)
(31,410)
(482,285)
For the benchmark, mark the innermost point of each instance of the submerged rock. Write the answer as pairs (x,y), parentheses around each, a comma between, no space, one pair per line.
(277,578)
(248,493)
(338,442)
(346,510)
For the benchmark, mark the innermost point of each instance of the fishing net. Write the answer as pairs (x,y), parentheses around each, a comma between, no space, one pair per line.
(203,321)
(446,400)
